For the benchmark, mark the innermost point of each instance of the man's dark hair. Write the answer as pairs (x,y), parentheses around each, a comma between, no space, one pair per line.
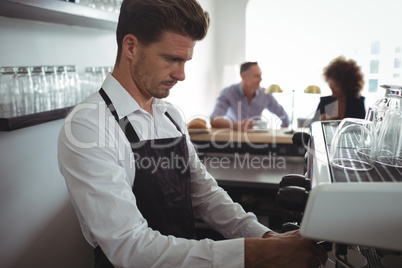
(245,66)
(147,20)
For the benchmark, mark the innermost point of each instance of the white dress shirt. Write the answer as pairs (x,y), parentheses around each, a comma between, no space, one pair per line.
(99,169)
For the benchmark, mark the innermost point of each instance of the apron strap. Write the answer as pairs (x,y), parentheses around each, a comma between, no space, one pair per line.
(124,123)
(174,123)
(109,104)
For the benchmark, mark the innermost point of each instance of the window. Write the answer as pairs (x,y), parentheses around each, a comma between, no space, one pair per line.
(397,63)
(293,40)
(373,85)
(374,66)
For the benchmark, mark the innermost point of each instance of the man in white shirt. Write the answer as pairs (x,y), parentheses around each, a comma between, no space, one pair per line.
(132,173)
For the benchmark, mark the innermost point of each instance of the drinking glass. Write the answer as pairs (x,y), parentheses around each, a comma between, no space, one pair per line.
(71,85)
(92,79)
(117,5)
(89,81)
(23,96)
(376,115)
(56,84)
(389,146)
(6,91)
(352,146)
(391,100)
(89,3)
(41,89)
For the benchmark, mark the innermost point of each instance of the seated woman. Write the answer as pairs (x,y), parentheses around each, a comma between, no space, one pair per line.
(345,79)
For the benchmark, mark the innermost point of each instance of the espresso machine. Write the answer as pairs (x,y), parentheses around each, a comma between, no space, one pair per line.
(355,213)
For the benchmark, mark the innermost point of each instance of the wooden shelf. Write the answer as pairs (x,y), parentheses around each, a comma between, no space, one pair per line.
(13,123)
(60,12)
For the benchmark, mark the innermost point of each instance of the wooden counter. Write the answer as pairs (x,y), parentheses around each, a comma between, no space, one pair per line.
(230,141)
(228,135)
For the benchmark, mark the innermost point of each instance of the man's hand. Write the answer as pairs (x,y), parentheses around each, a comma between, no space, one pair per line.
(283,250)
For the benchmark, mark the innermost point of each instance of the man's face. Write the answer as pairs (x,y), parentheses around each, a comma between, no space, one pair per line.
(158,67)
(252,77)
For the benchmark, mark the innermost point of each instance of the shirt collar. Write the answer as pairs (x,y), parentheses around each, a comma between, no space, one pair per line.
(123,102)
(241,90)
(159,105)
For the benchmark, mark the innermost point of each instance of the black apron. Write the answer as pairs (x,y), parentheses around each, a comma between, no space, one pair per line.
(161,183)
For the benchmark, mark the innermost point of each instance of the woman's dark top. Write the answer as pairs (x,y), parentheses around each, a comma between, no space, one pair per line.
(354,107)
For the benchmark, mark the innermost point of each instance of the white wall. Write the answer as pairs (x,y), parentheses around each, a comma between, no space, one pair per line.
(25,43)
(38,226)
(231,37)
(223,46)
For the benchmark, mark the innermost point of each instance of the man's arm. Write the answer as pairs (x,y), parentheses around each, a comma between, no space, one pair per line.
(214,206)
(221,106)
(274,107)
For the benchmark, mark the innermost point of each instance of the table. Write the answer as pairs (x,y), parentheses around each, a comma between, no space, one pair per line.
(229,135)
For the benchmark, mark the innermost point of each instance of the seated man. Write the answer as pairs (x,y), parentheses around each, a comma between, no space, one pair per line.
(239,105)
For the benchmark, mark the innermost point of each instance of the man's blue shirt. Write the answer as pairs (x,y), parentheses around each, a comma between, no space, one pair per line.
(233,103)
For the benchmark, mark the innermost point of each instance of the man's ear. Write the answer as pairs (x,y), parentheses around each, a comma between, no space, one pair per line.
(129,46)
